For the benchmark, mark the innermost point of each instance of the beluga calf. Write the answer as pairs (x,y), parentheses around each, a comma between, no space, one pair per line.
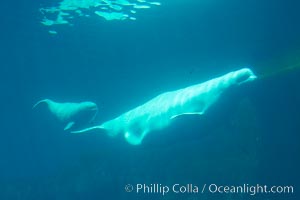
(70,113)
(158,113)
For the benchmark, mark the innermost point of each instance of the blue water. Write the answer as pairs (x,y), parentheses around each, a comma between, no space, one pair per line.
(250,136)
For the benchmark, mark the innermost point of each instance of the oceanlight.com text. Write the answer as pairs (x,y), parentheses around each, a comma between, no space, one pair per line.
(250,189)
(176,188)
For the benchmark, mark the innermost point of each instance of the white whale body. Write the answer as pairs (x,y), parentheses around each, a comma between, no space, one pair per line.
(157,113)
(70,113)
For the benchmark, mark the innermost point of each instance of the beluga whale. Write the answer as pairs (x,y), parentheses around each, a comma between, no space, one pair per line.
(70,113)
(159,112)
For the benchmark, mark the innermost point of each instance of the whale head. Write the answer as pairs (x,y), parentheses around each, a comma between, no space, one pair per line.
(244,75)
(85,112)
(88,105)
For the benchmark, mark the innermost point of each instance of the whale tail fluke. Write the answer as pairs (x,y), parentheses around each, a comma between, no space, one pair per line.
(39,102)
(88,129)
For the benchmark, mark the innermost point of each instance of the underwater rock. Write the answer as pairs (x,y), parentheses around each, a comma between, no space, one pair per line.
(159,112)
(71,113)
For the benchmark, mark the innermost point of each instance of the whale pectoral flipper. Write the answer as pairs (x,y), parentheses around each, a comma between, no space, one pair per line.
(194,113)
(88,129)
(69,125)
(135,138)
